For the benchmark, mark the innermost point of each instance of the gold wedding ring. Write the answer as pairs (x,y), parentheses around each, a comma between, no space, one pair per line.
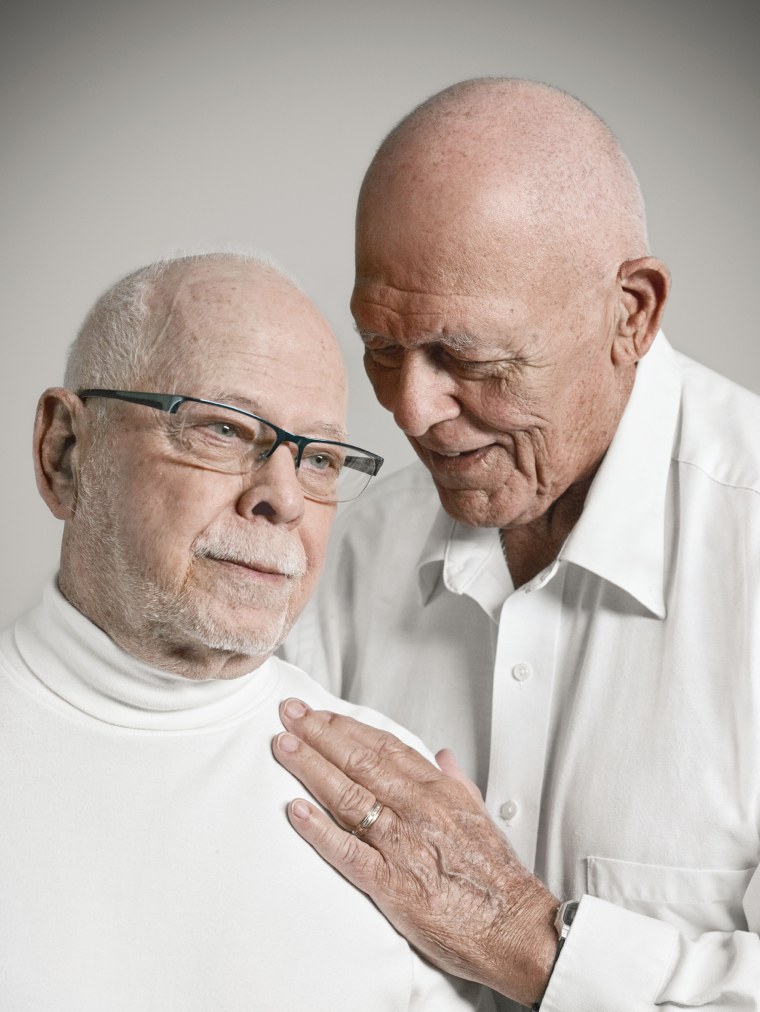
(368,820)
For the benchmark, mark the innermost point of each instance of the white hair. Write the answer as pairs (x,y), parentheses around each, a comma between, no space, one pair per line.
(115,343)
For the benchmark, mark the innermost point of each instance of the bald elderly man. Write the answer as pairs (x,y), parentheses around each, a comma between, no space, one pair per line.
(146,861)
(565,589)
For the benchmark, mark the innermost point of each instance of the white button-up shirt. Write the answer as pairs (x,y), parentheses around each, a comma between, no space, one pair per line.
(610,708)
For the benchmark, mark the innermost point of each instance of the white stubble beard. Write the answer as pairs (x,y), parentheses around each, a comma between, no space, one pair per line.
(153,616)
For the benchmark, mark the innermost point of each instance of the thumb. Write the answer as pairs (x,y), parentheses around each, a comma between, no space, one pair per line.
(448,764)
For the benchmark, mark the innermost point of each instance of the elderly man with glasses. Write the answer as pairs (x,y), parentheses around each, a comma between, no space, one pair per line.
(146,861)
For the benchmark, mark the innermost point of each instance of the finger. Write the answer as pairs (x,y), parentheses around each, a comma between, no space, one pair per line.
(449,765)
(348,802)
(360,864)
(339,730)
(376,759)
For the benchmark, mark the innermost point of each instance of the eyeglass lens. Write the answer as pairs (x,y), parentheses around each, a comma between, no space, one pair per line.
(227,440)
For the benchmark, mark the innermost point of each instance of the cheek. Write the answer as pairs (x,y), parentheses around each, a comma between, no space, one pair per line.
(165,518)
(315,535)
(510,408)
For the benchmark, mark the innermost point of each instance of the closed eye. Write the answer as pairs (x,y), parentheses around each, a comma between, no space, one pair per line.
(388,356)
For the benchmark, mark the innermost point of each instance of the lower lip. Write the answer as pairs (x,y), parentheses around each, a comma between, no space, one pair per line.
(459,462)
(248,572)
(465,471)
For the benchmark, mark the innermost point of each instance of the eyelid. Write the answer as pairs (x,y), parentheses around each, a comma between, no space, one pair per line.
(373,342)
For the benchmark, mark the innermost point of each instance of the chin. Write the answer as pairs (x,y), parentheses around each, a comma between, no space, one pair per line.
(245,631)
(227,626)
(477,507)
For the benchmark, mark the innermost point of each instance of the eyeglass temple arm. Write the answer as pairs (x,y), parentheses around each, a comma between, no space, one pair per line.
(162,402)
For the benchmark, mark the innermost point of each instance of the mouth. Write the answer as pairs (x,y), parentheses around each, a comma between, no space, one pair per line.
(465,468)
(456,457)
(248,566)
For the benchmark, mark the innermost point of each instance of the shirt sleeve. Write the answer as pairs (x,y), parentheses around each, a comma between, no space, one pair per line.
(617,959)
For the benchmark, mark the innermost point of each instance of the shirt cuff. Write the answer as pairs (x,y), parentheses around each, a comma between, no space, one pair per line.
(612,958)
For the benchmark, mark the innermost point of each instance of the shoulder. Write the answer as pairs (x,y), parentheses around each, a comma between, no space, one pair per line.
(296,681)
(720,426)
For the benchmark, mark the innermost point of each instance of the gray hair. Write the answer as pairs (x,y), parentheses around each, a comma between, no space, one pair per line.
(115,343)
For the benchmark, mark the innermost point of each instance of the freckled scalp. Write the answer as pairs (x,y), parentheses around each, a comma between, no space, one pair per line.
(490,152)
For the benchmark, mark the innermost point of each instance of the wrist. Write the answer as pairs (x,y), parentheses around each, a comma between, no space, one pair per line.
(563,921)
(526,950)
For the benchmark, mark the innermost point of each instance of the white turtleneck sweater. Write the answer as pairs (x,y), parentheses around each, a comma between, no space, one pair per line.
(146,860)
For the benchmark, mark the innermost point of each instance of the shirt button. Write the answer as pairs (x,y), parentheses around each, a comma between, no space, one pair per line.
(508,810)
(521,672)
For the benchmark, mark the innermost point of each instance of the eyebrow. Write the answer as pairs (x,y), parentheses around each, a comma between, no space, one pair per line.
(457,342)
(327,430)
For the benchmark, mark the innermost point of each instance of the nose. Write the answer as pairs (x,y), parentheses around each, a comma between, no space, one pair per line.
(273,491)
(420,393)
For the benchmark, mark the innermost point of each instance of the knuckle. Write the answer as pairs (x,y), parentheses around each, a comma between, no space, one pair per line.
(354,798)
(362,761)
(389,746)
(359,862)
(350,851)
(320,724)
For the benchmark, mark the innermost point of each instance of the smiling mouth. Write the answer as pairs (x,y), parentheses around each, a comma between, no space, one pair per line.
(464,455)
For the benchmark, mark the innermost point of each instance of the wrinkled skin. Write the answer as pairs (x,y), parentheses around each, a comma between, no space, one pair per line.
(504,294)
(433,861)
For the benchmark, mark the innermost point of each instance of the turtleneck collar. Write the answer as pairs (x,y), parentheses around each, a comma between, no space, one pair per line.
(84,668)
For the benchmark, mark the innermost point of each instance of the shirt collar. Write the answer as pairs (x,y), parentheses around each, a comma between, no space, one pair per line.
(83,666)
(464,560)
(620,535)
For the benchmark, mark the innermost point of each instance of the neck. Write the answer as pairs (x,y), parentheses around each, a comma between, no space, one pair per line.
(196,662)
(531,547)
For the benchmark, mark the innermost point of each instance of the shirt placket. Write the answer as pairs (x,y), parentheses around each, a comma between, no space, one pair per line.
(524,673)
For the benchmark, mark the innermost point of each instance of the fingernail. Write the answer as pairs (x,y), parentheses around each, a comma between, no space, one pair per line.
(294,708)
(300,810)
(287,742)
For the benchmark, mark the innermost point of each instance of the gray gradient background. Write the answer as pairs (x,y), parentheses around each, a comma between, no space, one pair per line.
(134,130)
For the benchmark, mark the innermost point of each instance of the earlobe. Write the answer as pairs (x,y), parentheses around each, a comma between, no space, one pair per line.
(644,285)
(56,432)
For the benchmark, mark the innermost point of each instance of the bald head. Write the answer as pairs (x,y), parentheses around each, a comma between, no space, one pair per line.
(194,529)
(504,294)
(147,322)
(492,158)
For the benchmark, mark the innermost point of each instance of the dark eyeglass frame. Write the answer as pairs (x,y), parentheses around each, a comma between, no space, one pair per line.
(171,402)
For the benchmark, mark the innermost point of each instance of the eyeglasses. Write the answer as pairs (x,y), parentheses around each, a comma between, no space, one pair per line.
(219,437)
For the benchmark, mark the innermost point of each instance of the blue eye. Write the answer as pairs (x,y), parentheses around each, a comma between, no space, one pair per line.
(223,429)
(321,460)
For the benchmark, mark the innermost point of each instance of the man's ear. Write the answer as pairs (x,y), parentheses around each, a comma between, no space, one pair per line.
(643,286)
(57,430)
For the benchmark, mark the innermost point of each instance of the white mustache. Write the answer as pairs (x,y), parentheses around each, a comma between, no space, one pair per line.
(277,554)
